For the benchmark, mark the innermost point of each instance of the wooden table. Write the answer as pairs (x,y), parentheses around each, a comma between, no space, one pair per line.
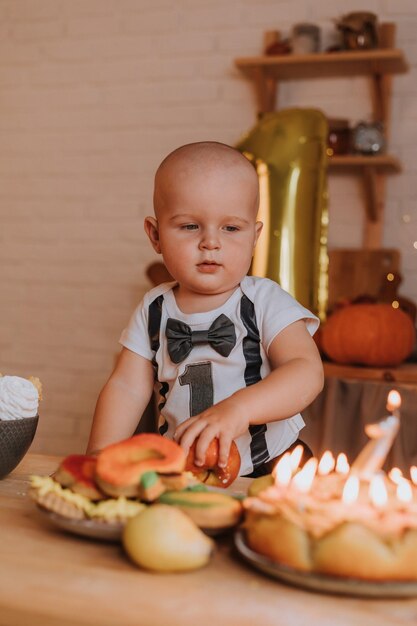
(405,373)
(49,578)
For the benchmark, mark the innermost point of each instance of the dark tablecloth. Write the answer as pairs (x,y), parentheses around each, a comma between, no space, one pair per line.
(336,419)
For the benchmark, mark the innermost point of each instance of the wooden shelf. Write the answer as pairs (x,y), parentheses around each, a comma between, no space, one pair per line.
(373,169)
(404,373)
(378,65)
(325,65)
(384,162)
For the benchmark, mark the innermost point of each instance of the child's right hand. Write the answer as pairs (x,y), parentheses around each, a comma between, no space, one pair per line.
(225,421)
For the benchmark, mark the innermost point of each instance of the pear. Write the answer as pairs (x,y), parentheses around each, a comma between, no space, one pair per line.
(162,538)
(260,484)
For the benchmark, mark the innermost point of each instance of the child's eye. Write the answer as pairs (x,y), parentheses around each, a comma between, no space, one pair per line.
(189,227)
(231,229)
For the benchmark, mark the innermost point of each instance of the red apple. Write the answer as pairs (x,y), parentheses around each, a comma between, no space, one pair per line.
(210,473)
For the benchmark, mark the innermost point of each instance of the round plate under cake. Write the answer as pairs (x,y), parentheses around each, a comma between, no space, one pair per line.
(321,582)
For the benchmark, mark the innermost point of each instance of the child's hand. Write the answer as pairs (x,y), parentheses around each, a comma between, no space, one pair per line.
(225,421)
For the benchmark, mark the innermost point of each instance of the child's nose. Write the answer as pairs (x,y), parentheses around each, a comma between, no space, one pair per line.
(209,241)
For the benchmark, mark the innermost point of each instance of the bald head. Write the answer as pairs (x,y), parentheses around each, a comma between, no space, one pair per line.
(199,162)
(206,201)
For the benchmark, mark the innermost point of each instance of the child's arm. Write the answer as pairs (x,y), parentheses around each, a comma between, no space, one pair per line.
(295,379)
(122,400)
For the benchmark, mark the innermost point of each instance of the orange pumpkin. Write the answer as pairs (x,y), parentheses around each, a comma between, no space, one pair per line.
(368,334)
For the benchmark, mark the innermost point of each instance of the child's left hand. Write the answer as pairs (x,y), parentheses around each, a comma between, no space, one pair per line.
(225,421)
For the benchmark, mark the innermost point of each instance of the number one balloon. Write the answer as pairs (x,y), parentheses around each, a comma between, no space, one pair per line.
(288,149)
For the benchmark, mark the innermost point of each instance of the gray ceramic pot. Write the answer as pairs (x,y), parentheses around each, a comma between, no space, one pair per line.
(15,439)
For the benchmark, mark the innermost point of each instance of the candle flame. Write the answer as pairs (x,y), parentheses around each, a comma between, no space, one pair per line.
(295,457)
(413,474)
(342,465)
(395,475)
(404,491)
(282,471)
(326,464)
(351,490)
(378,491)
(304,479)
(393,401)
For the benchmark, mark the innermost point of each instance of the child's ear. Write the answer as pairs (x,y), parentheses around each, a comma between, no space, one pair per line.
(258,229)
(151,229)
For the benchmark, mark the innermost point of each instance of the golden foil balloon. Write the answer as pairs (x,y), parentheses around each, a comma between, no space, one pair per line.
(288,149)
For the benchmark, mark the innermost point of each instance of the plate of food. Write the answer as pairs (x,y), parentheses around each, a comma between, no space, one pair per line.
(94,496)
(80,513)
(93,529)
(103,530)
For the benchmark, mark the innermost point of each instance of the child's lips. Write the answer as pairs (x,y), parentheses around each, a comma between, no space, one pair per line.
(208,267)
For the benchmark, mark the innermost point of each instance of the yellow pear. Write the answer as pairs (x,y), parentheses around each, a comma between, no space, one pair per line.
(260,484)
(162,538)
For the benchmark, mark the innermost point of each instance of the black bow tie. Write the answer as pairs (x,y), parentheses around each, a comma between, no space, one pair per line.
(181,339)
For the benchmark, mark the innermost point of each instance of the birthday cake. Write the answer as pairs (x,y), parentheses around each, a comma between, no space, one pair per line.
(339,527)
(327,518)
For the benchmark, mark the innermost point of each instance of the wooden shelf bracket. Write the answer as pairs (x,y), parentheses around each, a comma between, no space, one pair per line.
(266,90)
(370,179)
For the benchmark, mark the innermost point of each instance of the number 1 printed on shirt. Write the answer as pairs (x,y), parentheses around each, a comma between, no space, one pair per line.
(199,377)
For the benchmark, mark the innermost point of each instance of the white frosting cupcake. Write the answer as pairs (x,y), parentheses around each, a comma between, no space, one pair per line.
(19,398)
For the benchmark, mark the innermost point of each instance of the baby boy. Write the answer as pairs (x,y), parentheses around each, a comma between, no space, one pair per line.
(230,355)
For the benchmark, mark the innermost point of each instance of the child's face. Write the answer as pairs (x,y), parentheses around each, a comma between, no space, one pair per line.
(206,230)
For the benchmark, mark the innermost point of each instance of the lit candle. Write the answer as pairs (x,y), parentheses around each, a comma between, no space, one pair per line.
(404,491)
(282,472)
(351,490)
(342,465)
(395,474)
(378,492)
(305,477)
(394,403)
(382,434)
(326,464)
(295,457)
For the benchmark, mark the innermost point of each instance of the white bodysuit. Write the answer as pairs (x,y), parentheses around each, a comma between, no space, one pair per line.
(259,310)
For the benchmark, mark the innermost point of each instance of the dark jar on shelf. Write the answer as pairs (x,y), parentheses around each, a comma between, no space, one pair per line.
(339,137)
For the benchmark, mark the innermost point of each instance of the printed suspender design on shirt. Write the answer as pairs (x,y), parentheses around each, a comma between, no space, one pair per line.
(253,359)
(154,326)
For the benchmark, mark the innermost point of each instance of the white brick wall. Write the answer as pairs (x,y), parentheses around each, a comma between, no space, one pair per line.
(93,94)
